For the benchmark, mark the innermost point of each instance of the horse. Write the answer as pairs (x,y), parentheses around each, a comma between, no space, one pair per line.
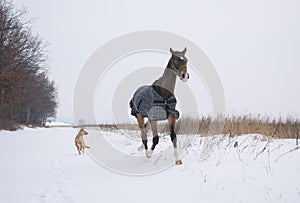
(157,102)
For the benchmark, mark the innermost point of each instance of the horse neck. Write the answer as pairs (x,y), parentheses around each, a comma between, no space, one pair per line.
(166,84)
(169,80)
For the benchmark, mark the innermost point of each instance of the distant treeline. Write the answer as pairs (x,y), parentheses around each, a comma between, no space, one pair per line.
(27,96)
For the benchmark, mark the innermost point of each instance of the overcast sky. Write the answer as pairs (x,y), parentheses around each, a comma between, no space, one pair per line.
(254,45)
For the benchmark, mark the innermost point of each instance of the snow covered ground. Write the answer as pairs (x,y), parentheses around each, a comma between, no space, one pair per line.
(42,165)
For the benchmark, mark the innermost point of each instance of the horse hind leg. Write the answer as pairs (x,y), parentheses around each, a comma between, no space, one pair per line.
(155,139)
(146,126)
(141,124)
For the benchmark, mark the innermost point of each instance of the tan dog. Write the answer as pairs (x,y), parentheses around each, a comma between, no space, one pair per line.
(79,142)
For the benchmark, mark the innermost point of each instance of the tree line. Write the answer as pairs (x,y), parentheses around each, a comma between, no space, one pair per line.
(27,96)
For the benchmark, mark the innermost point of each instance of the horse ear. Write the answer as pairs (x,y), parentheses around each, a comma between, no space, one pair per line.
(184,51)
(171,51)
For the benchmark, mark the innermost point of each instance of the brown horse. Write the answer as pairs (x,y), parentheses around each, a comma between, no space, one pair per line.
(157,102)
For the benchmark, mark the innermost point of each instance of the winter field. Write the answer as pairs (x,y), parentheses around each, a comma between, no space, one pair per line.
(42,165)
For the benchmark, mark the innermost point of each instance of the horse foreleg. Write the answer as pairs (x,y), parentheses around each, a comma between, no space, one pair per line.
(176,153)
(171,121)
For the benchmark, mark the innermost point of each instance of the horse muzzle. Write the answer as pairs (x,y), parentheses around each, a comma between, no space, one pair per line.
(184,77)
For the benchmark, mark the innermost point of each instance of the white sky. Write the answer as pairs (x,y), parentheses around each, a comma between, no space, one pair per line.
(253,44)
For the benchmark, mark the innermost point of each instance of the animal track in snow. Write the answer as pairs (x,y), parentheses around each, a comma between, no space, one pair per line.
(58,187)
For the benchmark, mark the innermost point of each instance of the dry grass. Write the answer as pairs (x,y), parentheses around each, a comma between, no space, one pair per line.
(247,124)
(232,125)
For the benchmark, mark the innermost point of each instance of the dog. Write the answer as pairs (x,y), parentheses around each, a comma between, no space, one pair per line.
(79,142)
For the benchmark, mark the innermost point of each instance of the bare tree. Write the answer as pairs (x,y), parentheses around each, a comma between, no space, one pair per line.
(26,94)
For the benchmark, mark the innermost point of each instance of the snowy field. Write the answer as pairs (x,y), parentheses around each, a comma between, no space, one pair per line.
(42,165)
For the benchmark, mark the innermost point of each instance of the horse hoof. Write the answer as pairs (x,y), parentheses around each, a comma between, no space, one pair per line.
(178,162)
(149,153)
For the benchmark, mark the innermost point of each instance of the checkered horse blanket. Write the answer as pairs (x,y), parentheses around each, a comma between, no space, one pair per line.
(147,102)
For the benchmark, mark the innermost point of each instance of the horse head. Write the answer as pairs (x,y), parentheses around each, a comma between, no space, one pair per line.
(178,64)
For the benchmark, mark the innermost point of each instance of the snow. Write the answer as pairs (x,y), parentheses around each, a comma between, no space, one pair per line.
(42,165)
(57,124)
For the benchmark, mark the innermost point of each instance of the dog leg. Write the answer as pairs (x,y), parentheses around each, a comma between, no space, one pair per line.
(85,146)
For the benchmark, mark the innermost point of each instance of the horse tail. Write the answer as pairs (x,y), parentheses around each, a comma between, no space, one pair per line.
(147,124)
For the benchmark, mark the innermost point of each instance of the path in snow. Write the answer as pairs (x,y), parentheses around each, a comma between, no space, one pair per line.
(42,165)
